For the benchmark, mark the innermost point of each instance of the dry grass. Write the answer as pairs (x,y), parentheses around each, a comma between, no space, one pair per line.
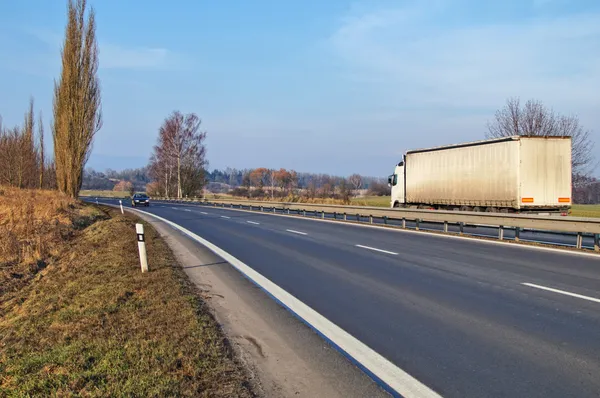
(91,324)
(33,226)
(104,194)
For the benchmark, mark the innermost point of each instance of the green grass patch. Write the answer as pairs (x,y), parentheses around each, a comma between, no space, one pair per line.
(374,201)
(585,211)
(92,324)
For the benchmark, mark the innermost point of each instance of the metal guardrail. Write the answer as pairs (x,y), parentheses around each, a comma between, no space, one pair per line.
(517,222)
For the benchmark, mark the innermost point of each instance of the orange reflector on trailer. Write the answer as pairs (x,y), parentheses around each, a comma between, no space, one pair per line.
(564,200)
(527,200)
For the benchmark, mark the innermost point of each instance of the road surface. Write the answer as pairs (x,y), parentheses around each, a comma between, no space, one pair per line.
(464,317)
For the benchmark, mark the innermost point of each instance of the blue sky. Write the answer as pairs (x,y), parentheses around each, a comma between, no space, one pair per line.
(323,86)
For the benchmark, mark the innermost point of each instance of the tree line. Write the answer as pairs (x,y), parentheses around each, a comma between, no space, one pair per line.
(23,163)
(77,117)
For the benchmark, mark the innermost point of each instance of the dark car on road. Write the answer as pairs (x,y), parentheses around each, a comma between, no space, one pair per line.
(140,199)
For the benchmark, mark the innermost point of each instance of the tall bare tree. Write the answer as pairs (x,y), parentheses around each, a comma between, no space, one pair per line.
(42,158)
(535,119)
(77,102)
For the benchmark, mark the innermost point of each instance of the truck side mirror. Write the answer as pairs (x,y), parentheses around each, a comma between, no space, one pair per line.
(390,179)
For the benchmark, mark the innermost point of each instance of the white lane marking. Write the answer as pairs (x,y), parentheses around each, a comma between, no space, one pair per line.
(396,378)
(377,250)
(225,217)
(203,212)
(439,235)
(562,292)
(186,210)
(253,222)
(174,208)
(296,232)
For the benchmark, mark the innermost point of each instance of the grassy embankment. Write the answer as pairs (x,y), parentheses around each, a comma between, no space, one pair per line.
(77,316)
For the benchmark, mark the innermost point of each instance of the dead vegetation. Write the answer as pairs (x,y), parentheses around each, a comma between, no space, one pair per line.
(34,224)
(89,323)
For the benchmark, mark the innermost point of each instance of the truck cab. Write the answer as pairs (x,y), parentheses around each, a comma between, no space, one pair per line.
(396,182)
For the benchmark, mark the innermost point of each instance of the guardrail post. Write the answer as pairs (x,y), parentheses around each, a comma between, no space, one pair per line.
(461,227)
(358,217)
(501,232)
(417,224)
(597,242)
(345,218)
(261,208)
(273,209)
(517,234)
(288,211)
(370,219)
(335,215)
(303,213)
(323,215)
(579,240)
(385,220)
(403,222)
(446,226)
(139,230)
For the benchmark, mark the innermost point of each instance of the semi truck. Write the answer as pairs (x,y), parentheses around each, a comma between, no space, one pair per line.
(515,174)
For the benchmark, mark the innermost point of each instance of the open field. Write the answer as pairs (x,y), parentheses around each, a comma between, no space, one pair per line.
(105,194)
(82,319)
(375,201)
(585,211)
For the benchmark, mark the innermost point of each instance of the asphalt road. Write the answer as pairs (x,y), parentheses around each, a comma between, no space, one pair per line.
(526,235)
(466,318)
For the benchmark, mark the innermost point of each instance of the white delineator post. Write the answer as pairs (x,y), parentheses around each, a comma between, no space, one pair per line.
(121,204)
(96,200)
(139,229)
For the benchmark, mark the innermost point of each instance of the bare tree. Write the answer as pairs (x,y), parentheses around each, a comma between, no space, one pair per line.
(77,102)
(179,159)
(356,183)
(42,161)
(534,119)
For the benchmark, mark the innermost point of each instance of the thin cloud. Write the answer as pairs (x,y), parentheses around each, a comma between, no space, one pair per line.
(553,59)
(114,56)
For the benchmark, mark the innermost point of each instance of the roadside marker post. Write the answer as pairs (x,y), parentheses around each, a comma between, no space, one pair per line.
(96,201)
(139,229)
(121,204)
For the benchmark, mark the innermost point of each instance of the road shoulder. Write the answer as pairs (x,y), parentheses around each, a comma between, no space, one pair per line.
(284,356)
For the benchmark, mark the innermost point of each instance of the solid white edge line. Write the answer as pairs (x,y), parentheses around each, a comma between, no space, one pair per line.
(562,292)
(296,232)
(439,234)
(253,222)
(377,250)
(393,376)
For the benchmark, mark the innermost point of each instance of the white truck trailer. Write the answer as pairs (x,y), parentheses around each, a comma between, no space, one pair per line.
(510,174)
